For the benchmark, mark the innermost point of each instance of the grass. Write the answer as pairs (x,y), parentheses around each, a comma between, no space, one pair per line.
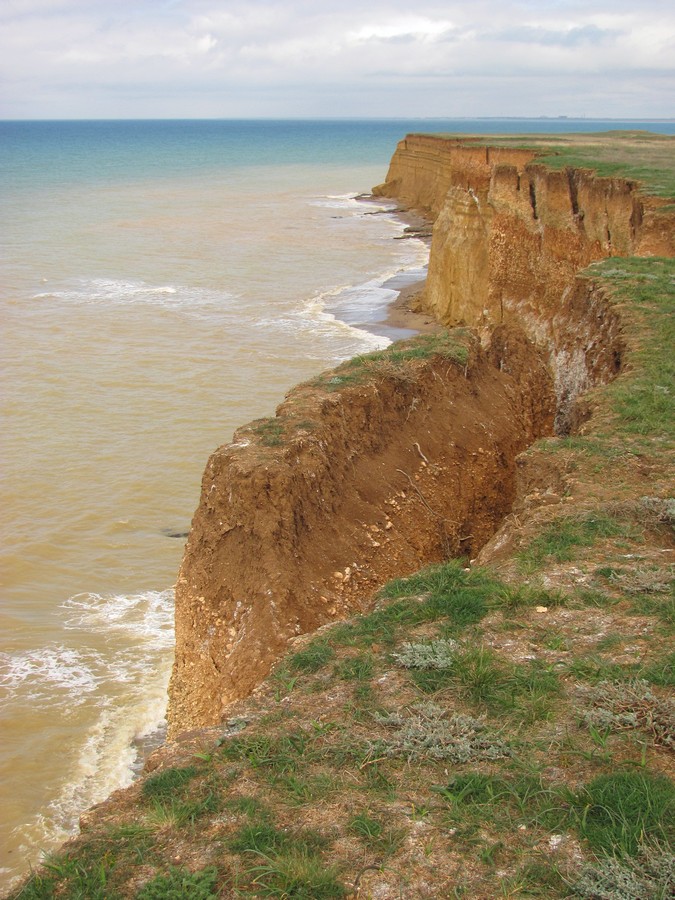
(643,402)
(284,862)
(166,784)
(314,657)
(478,675)
(663,608)
(279,754)
(633,155)
(615,813)
(506,800)
(270,431)
(395,362)
(295,873)
(559,541)
(618,813)
(172,801)
(178,884)
(356,668)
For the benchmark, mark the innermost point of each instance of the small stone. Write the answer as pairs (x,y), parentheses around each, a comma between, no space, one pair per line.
(541,609)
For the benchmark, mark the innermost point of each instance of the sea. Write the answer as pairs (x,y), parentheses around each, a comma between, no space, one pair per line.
(162,283)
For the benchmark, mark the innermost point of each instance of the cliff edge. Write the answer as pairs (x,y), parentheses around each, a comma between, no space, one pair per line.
(367,472)
(511,234)
(407,457)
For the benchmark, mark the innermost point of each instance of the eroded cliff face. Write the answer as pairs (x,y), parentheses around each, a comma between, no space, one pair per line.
(509,238)
(302,517)
(369,473)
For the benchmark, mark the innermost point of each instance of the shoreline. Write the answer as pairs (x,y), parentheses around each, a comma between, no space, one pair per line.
(400,318)
(402,313)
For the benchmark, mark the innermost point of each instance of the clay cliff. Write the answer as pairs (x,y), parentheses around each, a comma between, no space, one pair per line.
(365,473)
(409,456)
(510,236)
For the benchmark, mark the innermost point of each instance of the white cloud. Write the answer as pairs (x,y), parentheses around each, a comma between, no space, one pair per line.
(229,57)
(415,28)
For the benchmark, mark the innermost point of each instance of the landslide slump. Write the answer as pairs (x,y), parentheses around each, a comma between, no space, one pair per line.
(368,472)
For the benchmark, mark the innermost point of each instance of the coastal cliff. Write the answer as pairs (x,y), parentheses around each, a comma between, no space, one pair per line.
(501,725)
(511,235)
(366,473)
(363,476)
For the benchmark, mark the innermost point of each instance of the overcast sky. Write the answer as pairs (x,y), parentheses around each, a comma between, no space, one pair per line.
(288,58)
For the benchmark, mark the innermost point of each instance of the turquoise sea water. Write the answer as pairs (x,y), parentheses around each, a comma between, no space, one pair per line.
(161,283)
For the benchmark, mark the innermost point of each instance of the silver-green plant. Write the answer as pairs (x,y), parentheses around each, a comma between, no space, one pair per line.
(438,654)
(427,732)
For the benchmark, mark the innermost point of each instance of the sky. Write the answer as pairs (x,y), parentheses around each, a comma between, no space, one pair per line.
(336,58)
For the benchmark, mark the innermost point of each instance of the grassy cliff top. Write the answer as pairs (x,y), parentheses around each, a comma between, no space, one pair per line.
(635,155)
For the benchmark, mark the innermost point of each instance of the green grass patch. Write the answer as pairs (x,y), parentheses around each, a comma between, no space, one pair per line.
(270,431)
(395,361)
(355,668)
(301,789)
(285,862)
(378,837)
(562,538)
(662,608)
(297,874)
(449,591)
(505,801)
(166,784)
(643,399)
(593,668)
(173,801)
(647,159)
(632,155)
(661,671)
(478,675)
(279,755)
(265,838)
(313,657)
(618,813)
(178,884)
